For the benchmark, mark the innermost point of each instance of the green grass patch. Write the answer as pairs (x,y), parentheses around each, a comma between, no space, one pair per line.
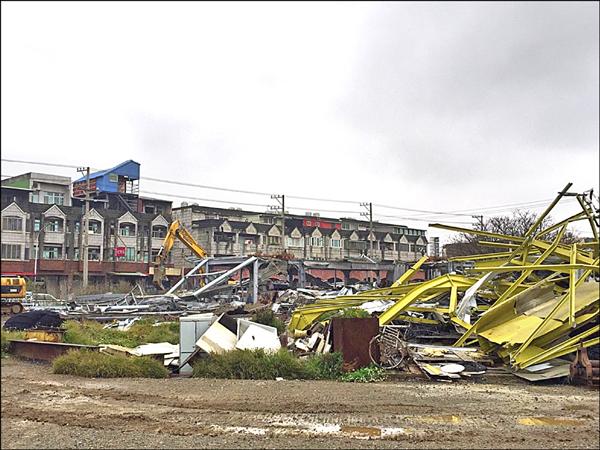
(86,363)
(267,317)
(346,313)
(6,336)
(325,366)
(141,332)
(258,365)
(367,374)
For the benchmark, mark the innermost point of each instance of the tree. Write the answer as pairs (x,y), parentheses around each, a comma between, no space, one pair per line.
(516,225)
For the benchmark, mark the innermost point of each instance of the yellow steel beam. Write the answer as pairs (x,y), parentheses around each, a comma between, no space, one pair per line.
(571,293)
(564,348)
(443,282)
(489,313)
(543,215)
(406,276)
(478,233)
(528,272)
(552,267)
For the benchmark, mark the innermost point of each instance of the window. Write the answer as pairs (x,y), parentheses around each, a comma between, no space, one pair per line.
(269,220)
(12,223)
(52,252)
(54,198)
(346,226)
(356,245)
(273,240)
(53,225)
(94,253)
(77,226)
(316,241)
(95,227)
(335,243)
(149,209)
(76,254)
(295,242)
(127,229)
(159,232)
(11,251)
(130,254)
(113,178)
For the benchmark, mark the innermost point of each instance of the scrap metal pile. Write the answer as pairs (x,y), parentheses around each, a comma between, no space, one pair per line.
(528,305)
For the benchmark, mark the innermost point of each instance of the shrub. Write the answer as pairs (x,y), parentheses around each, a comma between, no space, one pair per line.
(141,332)
(6,336)
(267,317)
(86,363)
(325,366)
(365,375)
(251,365)
(346,313)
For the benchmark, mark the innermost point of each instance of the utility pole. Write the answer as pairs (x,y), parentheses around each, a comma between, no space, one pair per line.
(281,200)
(369,213)
(480,219)
(85,224)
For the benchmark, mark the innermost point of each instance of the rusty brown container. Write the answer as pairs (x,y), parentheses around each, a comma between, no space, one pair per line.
(351,337)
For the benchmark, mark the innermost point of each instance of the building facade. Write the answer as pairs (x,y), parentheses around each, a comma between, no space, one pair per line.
(235,232)
(42,234)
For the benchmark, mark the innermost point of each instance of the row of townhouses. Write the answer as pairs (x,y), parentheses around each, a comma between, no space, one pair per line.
(224,232)
(42,219)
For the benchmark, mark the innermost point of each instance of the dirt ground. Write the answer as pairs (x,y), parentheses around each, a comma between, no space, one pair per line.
(42,410)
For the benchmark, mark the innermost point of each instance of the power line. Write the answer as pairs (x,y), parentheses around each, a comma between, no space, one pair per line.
(424,213)
(165,194)
(492,211)
(419,210)
(40,163)
(204,199)
(418,220)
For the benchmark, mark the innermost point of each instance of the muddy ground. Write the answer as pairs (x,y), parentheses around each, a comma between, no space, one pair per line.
(42,410)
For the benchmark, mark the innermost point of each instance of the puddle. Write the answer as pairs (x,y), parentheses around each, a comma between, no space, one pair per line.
(330,429)
(242,430)
(437,419)
(549,421)
(365,431)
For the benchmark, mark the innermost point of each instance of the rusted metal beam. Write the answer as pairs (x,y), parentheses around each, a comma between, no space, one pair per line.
(44,351)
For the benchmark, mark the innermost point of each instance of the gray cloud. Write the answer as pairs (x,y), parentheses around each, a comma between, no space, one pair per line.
(462,88)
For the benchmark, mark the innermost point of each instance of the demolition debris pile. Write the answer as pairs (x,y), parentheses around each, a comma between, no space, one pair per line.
(527,306)
(531,307)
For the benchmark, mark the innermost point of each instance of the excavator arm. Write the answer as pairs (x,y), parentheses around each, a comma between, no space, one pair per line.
(176,231)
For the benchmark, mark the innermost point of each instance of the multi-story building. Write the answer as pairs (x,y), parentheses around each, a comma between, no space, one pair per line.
(42,233)
(42,188)
(235,232)
(42,237)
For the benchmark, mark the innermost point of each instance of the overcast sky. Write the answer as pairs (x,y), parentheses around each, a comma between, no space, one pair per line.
(432,106)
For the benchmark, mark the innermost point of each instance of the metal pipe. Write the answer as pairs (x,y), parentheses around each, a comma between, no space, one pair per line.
(225,275)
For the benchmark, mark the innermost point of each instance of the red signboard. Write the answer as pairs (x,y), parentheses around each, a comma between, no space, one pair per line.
(119,252)
(321,224)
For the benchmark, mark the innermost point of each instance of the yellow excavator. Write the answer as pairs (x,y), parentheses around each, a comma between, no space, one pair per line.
(13,291)
(176,231)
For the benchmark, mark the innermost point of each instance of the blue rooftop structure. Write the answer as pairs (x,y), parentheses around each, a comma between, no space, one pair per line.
(114,179)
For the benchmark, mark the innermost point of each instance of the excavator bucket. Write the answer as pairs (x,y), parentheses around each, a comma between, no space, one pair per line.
(159,276)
